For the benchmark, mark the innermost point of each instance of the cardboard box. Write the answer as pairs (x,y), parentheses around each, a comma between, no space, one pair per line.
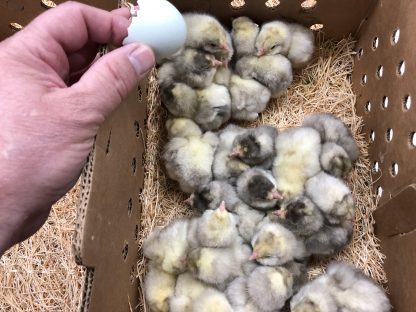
(383,80)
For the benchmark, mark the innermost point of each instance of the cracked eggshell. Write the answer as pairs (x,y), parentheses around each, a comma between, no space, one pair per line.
(159,25)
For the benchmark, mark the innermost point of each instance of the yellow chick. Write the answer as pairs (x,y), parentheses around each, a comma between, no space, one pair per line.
(159,287)
(211,300)
(244,34)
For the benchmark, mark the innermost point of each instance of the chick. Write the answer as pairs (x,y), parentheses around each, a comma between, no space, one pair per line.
(353,291)
(301,216)
(168,247)
(297,159)
(182,127)
(189,160)
(272,71)
(159,287)
(218,266)
(204,32)
(211,195)
(313,297)
(214,107)
(244,34)
(217,228)
(187,289)
(338,204)
(257,188)
(333,130)
(299,272)
(211,300)
(223,76)
(248,98)
(237,294)
(226,167)
(270,287)
(256,147)
(273,245)
(248,220)
(195,68)
(291,40)
(335,160)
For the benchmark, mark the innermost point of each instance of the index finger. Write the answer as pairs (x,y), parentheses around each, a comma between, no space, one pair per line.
(73,24)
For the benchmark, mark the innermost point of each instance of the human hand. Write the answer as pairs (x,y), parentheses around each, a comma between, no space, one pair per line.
(47,124)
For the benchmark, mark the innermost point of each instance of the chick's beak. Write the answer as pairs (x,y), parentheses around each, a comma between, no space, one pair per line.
(277,195)
(254,256)
(281,213)
(235,152)
(222,206)
(189,201)
(261,52)
(217,63)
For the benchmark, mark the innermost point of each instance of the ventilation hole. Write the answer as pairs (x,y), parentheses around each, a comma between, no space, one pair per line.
(394,169)
(376,166)
(401,68)
(237,4)
(125,250)
(375,43)
(272,4)
(360,53)
(134,165)
(137,128)
(48,4)
(372,135)
(136,232)
(139,93)
(316,27)
(107,150)
(368,106)
(389,134)
(15,26)
(380,70)
(395,37)
(147,91)
(364,79)
(132,274)
(103,49)
(412,139)
(379,191)
(129,207)
(407,102)
(308,5)
(140,195)
(385,102)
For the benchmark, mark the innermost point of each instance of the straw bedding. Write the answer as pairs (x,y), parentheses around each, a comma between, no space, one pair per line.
(40,274)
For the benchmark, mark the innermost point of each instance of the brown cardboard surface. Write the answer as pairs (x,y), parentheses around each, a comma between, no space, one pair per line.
(395,226)
(339,18)
(106,239)
(388,17)
(23,11)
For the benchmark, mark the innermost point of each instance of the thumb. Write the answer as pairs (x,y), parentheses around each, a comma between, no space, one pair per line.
(109,80)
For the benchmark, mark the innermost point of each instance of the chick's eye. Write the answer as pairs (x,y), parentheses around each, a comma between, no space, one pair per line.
(274,46)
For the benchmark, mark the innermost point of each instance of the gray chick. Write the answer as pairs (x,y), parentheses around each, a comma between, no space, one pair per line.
(225,167)
(248,220)
(257,188)
(188,160)
(244,33)
(272,71)
(333,130)
(338,204)
(210,196)
(256,146)
(204,32)
(182,127)
(214,107)
(249,98)
(335,160)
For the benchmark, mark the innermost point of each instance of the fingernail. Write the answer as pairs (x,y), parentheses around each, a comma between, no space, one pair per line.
(142,59)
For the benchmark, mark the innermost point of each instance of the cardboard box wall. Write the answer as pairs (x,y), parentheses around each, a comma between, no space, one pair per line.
(107,227)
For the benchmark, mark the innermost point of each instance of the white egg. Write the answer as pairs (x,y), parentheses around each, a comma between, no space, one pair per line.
(159,25)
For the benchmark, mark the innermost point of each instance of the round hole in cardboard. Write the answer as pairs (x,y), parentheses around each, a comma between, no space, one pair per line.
(316,27)
(134,165)
(136,232)
(379,191)
(368,106)
(125,250)
(48,4)
(372,135)
(385,102)
(395,36)
(375,43)
(360,53)
(376,166)
(129,207)
(394,169)
(272,4)
(137,128)
(107,150)
(401,68)
(407,102)
(412,139)
(237,4)
(15,26)
(308,4)
(389,134)
(380,70)
(364,79)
